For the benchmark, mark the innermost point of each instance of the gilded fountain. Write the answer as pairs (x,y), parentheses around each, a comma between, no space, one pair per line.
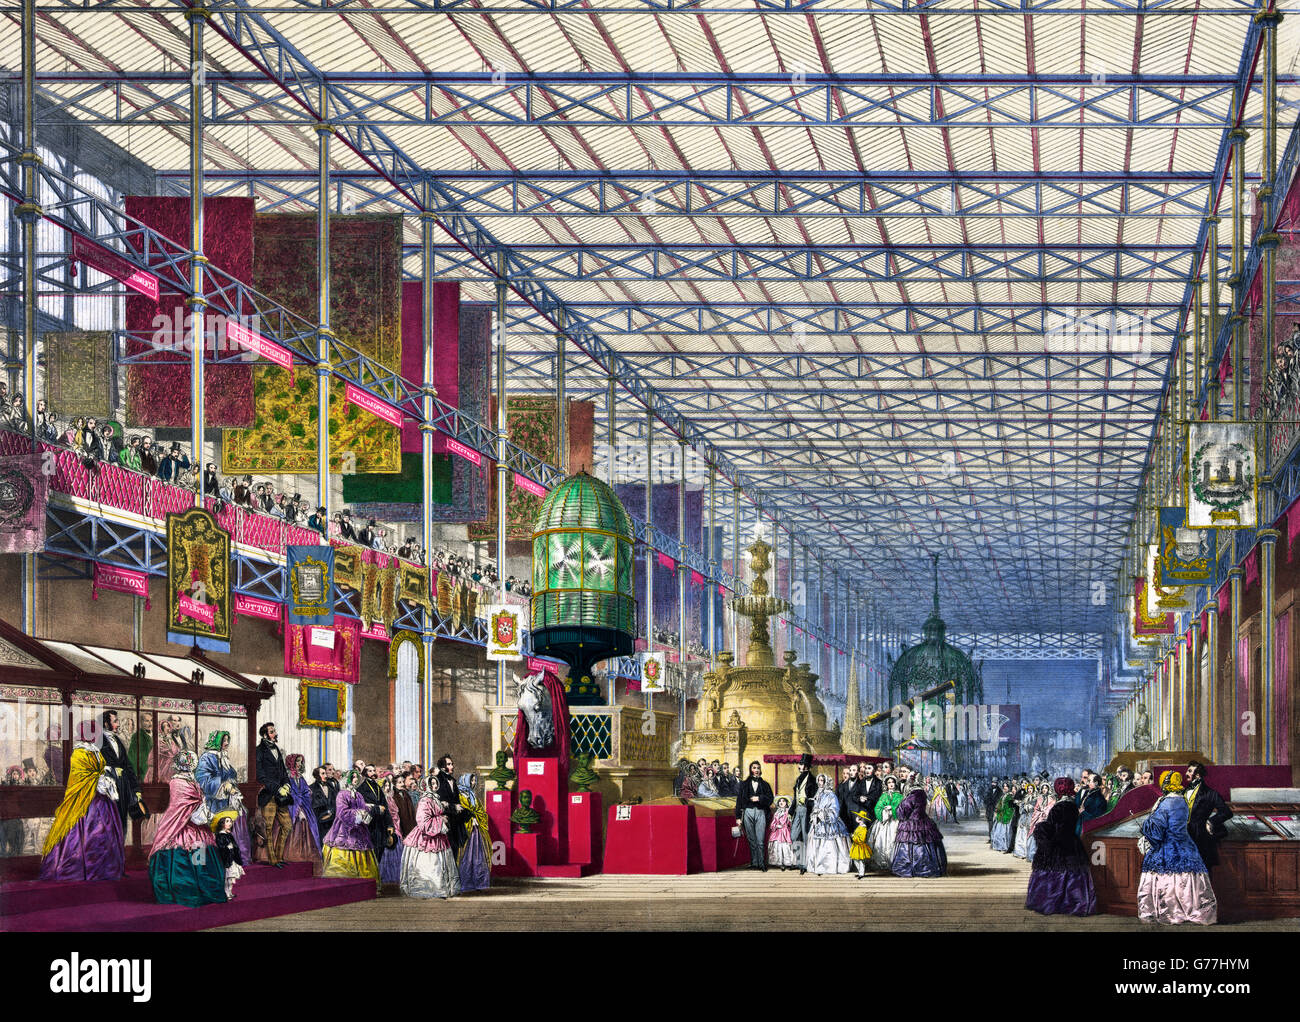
(755,709)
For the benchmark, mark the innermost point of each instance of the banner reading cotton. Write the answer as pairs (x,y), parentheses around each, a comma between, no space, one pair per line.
(1222,475)
(311,585)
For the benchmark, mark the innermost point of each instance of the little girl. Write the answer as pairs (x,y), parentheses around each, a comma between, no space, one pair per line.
(223,824)
(780,852)
(860,849)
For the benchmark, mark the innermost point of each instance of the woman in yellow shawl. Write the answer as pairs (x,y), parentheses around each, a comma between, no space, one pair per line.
(476,855)
(85,841)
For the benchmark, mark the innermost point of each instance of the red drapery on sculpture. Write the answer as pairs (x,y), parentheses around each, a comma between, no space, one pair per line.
(560,708)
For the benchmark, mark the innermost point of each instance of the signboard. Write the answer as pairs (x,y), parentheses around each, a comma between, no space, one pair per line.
(107,261)
(255,606)
(120,580)
(446,445)
(505,632)
(528,486)
(198,581)
(375,406)
(263,347)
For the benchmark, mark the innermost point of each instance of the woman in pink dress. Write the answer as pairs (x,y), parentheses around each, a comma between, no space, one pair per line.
(429,868)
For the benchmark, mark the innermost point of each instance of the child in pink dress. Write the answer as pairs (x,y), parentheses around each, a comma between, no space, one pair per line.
(780,852)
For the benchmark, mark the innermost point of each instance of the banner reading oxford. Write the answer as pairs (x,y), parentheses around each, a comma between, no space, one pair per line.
(311,585)
(198,581)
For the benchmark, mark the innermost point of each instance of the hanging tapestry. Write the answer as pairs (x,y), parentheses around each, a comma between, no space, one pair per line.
(532,424)
(332,654)
(379,595)
(415,586)
(311,585)
(159,395)
(365,314)
(1185,554)
(79,373)
(198,581)
(462,360)
(24,492)
(1222,475)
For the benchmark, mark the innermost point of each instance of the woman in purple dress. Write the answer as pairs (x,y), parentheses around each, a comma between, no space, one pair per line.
(475,855)
(1061,882)
(919,850)
(348,852)
(303,844)
(85,840)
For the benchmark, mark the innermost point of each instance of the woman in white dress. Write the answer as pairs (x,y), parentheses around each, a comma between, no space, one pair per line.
(1028,806)
(884,832)
(828,840)
(429,867)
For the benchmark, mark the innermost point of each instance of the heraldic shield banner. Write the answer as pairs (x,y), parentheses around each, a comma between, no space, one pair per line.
(652,671)
(1186,555)
(198,581)
(1222,475)
(505,632)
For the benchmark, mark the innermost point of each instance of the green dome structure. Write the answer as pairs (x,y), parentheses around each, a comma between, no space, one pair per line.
(934,663)
(583,610)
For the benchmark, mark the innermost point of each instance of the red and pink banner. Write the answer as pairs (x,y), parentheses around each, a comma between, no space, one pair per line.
(446,445)
(376,631)
(120,580)
(261,346)
(189,607)
(696,578)
(667,562)
(528,486)
(255,606)
(107,261)
(332,654)
(375,406)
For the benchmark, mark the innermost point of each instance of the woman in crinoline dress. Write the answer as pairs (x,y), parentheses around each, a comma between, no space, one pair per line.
(1175,885)
(1028,806)
(939,804)
(1046,799)
(429,868)
(884,831)
(1060,882)
(919,851)
(346,849)
(828,840)
(1003,835)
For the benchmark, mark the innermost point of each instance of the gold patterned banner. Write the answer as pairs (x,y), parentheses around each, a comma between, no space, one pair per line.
(79,373)
(415,586)
(198,581)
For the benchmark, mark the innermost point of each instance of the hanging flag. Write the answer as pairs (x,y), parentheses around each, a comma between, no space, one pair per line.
(24,491)
(1222,475)
(505,632)
(255,606)
(696,578)
(653,668)
(198,581)
(330,654)
(1145,623)
(311,585)
(1186,555)
(1162,597)
(667,562)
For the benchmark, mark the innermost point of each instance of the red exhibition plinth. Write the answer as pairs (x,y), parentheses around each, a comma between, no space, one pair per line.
(584,829)
(526,850)
(650,839)
(541,776)
(500,804)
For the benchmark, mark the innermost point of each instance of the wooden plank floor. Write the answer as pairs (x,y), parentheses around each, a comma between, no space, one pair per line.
(984,891)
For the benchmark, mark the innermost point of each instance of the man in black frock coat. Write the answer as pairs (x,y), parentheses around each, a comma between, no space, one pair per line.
(850,793)
(322,802)
(1207,814)
(119,762)
(449,795)
(753,806)
(273,800)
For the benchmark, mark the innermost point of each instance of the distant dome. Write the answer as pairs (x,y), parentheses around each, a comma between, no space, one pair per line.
(933,661)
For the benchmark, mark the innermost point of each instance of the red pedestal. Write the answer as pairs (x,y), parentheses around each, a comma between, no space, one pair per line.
(527,847)
(499,808)
(584,829)
(650,840)
(541,776)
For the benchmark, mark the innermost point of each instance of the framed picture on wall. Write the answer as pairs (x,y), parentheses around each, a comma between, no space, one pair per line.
(322,704)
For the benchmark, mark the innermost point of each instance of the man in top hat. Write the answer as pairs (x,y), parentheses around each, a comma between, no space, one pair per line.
(346,531)
(319,521)
(173,464)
